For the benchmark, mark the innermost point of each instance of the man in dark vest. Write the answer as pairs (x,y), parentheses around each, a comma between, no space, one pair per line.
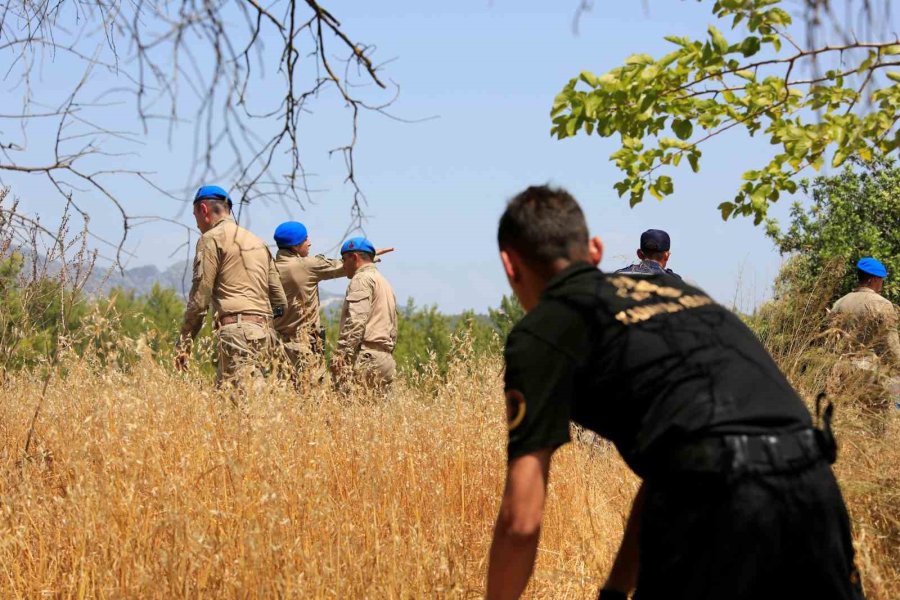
(653,254)
(738,499)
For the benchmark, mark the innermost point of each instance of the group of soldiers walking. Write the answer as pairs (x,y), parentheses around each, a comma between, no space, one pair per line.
(266,307)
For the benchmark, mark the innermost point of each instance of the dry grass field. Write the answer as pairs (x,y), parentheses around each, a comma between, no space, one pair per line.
(149,484)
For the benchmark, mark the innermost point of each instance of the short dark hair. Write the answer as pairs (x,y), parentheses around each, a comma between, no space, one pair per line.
(368,255)
(656,255)
(544,224)
(216,205)
(863,277)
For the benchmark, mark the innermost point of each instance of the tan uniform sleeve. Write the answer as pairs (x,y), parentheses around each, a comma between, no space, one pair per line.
(206,266)
(277,296)
(893,337)
(328,268)
(359,309)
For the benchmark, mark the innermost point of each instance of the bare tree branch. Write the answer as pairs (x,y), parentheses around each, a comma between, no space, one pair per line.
(171,59)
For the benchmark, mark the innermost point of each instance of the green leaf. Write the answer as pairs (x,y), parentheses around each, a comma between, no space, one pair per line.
(695,162)
(608,79)
(750,46)
(839,157)
(678,41)
(746,74)
(648,101)
(778,16)
(718,40)
(891,50)
(682,128)
(589,78)
(649,73)
(664,185)
(727,208)
(894,76)
(639,59)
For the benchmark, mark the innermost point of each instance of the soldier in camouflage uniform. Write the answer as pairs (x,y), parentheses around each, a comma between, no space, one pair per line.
(300,328)
(235,273)
(654,254)
(368,331)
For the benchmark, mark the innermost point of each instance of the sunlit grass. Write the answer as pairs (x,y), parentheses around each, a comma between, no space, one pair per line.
(148,484)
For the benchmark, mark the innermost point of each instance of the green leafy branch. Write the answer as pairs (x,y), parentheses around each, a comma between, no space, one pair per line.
(665,109)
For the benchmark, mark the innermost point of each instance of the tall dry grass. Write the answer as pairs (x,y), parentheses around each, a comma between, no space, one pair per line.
(148,484)
(151,485)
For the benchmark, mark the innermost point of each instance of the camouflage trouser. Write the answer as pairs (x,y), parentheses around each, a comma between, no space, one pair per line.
(374,368)
(306,364)
(243,350)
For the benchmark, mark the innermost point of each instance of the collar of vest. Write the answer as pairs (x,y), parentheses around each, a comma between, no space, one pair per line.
(569,272)
(865,290)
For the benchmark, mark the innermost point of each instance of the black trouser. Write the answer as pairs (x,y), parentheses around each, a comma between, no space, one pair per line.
(746,536)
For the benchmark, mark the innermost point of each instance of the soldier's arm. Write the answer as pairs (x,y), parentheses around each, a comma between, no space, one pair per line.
(332,268)
(539,391)
(328,268)
(359,309)
(894,345)
(206,265)
(518,526)
(893,338)
(277,297)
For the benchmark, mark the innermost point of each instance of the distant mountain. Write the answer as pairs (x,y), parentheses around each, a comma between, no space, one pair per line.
(141,279)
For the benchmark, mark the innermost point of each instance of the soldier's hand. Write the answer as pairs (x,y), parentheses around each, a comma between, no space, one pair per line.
(381,251)
(181,361)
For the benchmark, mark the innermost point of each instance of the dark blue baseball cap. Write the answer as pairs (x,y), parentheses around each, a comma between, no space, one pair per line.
(290,234)
(213,192)
(872,266)
(358,244)
(655,240)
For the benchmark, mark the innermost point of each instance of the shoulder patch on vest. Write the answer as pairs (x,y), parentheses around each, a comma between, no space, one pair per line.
(515,408)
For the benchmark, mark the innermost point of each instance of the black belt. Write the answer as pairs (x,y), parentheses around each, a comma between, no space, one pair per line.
(747,453)
(769,453)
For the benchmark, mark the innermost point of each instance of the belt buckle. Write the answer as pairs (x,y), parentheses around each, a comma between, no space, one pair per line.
(740,453)
(773,450)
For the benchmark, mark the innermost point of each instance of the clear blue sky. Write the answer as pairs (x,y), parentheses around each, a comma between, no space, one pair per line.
(488,72)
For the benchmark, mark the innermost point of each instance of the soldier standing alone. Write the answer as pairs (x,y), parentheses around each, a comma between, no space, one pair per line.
(235,272)
(368,331)
(654,254)
(872,316)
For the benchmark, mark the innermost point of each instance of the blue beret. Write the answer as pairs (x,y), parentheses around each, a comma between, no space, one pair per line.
(872,266)
(211,191)
(655,240)
(358,244)
(290,234)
